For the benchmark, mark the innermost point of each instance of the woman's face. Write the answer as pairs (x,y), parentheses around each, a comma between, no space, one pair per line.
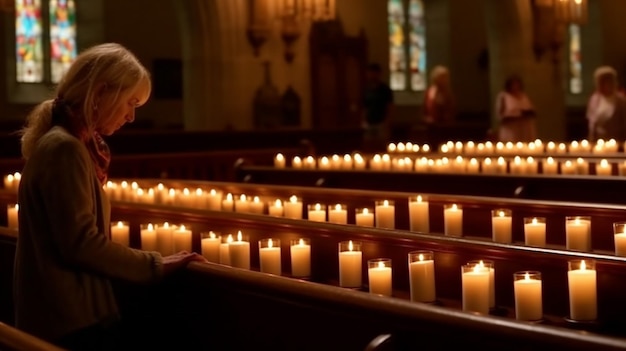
(122,111)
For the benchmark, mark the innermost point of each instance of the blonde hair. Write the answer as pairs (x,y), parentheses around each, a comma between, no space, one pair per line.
(437,72)
(107,68)
(604,71)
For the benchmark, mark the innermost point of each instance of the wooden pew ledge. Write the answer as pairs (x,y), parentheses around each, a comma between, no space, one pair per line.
(398,314)
(16,340)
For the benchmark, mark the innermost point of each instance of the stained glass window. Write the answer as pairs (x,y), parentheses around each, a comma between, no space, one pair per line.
(28,41)
(407,45)
(62,37)
(575,60)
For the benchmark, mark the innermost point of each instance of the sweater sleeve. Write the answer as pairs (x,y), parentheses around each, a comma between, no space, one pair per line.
(67,195)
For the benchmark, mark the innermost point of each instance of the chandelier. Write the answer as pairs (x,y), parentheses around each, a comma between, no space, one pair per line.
(290,16)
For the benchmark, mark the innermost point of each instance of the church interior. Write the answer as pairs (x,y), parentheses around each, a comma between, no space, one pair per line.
(355,174)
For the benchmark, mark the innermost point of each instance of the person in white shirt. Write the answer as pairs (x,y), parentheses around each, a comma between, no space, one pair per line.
(515,113)
(606,110)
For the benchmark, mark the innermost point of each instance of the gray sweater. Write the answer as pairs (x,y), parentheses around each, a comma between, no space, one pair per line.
(65,259)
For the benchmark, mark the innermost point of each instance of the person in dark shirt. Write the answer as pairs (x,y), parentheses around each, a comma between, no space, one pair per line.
(377,108)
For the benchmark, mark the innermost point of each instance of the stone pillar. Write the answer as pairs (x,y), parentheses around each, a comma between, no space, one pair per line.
(510,39)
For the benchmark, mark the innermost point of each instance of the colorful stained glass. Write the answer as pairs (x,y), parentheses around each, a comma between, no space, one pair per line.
(417,48)
(62,37)
(28,41)
(397,45)
(575,60)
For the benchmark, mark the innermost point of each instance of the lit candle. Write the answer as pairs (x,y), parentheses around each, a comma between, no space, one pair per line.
(561,148)
(225,249)
(583,305)
(501,223)
(385,214)
(419,214)
(335,162)
(585,146)
(528,300)
(324,163)
(460,165)
(347,162)
(619,231)
(186,200)
(488,266)
(376,163)
(535,231)
(269,256)
(401,147)
(276,208)
(550,166)
(473,166)
(518,166)
(359,162)
(279,161)
(301,258)
(214,200)
(582,166)
(133,191)
(256,206)
(148,237)
(242,205)
(501,166)
(567,167)
(470,147)
(119,233)
(391,148)
(296,162)
(531,165)
(453,220)
(475,289)
(386,162)
(210,243)
(12,216)
(578,233)
(165,239)
(200,199)
(228,204)
(422,276)
(110,189)
(124,196)
(317,213)
(487,167)
(239,252)
(309,162)
(8,182)
(379,276)
(551,147)
(160,194)
(604,168)
(17,177)
(574,147)
(364,217)
(350,259)
(293,208)
(182,239)
(338,214)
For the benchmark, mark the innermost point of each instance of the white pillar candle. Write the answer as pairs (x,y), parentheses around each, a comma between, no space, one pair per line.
(338,214)
(473,167)
(578,233)
(604,168)
(165,239)
(470,148)
(531,166)
(309,163)
(335,162)
(228,204)
(133,191)
(385,214)
(12,216)
(124,191)
(581,278)
(501,166)
(17,177)
(239,252)
(422,276)
(528,299)
(619,231)
(210,243)
(475,289)
(293,208)
(549,166)
(160,193)
(279,161)
(200,198)
(386,160)
(300,251)
(225,249)
(8,182)
(350,261)
(561,149)
(324,163)
(296,162)
(171,198)
(182,239)
(459,165)
(453,220)
(256,206)
(379,276)
(269,256)
(347,163)
(364,217)
(574,147)
(535,231)
(120,233)
(582,166)
(276,208)
(214,200)
(391,148)
(487,166)
(568,168)
(419,214)
(501,224)
(359,162)
(421,165)
(185,199)
(518,166)
(317,213)
(148,237)
(488,266)
(242,205)
(376,163)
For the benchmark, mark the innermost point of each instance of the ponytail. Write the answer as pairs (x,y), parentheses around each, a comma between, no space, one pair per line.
(38,123)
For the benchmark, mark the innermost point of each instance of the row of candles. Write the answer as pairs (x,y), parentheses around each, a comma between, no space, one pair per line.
(536,147)
(459,164)
(577,228)
(478,277)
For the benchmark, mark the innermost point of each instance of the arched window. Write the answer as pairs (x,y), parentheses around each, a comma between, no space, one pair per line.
(575,60)
(45,39)
(407,45)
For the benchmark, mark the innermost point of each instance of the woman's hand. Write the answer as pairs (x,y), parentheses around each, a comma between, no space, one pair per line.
(179,260)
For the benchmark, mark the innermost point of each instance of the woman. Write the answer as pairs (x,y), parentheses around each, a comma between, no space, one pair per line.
(65,261)
(439,100)
(515,113)
(606,110)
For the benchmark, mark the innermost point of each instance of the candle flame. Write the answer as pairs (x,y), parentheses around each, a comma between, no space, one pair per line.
(301,242)
(473,161)
(293,199)
(182,228)
(583,265)
(350,246)
(584,143)
(270,243)
(580,161)
(186,192)
(310,159)
(242,197)
(140,192)
(160,186)
(501,161)
(509,145)
(335,157)
(376,158)
(239,236)
(10,177)
(459,159)
(499,145)
(337,207)
(550,160)
(501,213)
(134,185)
(526,276)
(391,147)
(256,200)
(17,176)
(347,158)
(17,207)
(381,264)
(109,183)
(172,192)
(151,192)
(229,239)
(574,144)
(534,221)
(488,161)
(199,192)
(278,203)
(385,203)
(530,159)
(551,145)
(213,192)
(324,160)
(124,184)
(476,269)
(120,224)
(604,163)
(517,160)
(419,198)
(166,225)
(454,207)
(421,257)
(229,197)
(280,157)
(150,227)
(577,221)
(366,211)
(426,148)
(481,264)
(386,158)
(211,235)
(568,163)
(318,207)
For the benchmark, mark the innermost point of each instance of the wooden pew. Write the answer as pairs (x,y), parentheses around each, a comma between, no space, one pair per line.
(12,339)
(590,189)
